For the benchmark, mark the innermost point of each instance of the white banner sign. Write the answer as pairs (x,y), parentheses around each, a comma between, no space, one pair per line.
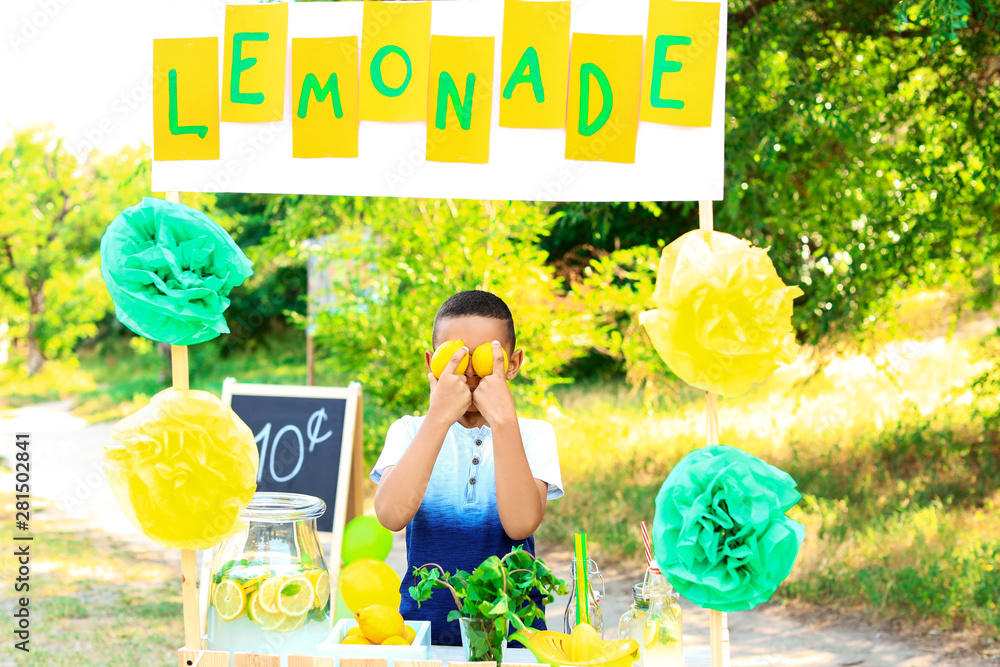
(579,100)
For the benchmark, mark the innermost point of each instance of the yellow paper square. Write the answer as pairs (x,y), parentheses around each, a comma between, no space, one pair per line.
(534,54)
(610,68)
(461,98)
(396,38)
(682,41)
(253,63)
(186,99)
(325,67)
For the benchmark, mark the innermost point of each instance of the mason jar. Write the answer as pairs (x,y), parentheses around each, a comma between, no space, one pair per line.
(270,586)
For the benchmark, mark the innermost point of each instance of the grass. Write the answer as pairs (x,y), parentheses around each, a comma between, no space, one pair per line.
(897,457)
(94,599)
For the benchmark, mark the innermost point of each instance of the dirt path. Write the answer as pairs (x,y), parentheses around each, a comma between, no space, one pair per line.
(66,472)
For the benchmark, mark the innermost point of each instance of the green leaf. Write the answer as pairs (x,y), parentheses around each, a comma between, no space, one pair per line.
(291,589)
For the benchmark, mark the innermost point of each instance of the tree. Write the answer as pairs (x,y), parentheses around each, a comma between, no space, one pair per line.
(53,210)
(862,146)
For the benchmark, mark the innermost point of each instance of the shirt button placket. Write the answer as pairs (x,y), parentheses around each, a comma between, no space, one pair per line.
(470,491)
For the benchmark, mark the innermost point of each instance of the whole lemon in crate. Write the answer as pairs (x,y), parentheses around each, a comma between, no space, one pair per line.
(395,641)
(356,639)
(409,634)
(443,354)
(379,622)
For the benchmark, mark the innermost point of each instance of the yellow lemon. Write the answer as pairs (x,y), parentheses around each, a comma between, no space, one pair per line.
(321,588)
(354,631)
(251,585)
(366,582)
(379,622)
(409,634)
(395,641)
(229,600)
(292,623)
(262,618)
(356,639)
(296,596)
(482,360)
(443,354)
(267,593)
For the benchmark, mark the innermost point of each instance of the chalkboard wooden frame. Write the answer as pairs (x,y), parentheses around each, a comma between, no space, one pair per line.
(349,501)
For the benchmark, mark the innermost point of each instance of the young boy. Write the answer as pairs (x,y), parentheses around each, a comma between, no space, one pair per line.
(470,478)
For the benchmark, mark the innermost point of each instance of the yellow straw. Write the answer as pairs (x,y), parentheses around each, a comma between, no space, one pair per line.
(580,552)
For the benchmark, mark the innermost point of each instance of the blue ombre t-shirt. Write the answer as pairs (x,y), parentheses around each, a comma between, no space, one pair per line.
(457,525)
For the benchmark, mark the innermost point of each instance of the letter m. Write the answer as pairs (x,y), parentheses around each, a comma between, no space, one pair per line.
(310,87)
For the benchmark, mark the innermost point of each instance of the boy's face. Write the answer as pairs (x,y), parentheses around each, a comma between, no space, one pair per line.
(475,330)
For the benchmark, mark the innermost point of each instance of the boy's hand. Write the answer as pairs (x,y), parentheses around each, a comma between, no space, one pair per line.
(450,395)
(492,396)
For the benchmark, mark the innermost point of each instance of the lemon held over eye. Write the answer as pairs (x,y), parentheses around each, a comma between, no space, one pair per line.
(443,354)
(482,360)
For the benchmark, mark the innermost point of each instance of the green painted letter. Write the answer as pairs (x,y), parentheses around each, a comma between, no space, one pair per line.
(240,65)
(311,87)
(200,130)
(376,71)
(663,66)
(527,70)
(586,70)
(446,89)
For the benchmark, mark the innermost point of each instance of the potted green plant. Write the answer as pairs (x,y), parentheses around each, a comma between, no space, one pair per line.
(493,597)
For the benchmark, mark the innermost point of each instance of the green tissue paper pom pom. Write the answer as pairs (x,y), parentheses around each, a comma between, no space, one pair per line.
(720,533)
(169,269)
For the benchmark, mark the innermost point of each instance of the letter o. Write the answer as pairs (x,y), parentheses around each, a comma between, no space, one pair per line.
(23,623)
(376,71)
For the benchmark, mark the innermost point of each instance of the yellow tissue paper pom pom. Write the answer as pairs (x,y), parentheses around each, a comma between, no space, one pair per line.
(185,469)
(723,316)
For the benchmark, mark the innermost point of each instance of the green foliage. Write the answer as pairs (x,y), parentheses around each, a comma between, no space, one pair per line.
(394,262)
(263,306)
(986,390)
(53,211)
(615,288)
(497,592)
(862,144)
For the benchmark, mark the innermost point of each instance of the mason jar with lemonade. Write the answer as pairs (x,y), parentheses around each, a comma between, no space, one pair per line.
(270,586)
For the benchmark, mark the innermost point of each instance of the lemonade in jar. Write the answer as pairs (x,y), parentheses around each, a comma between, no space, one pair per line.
(270,586)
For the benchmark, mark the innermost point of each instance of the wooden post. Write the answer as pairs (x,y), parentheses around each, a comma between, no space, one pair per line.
(718,638)
(356,491)
(310,361)
(189,557)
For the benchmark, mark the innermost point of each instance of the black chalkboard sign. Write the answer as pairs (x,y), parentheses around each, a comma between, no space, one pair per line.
(309,442)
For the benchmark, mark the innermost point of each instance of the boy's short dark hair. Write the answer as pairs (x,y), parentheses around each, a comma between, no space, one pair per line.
(477,302)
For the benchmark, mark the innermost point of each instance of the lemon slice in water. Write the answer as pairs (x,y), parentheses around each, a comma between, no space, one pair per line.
(229,600)
(268,593)
(263,618)
(296,596)
(321,587)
